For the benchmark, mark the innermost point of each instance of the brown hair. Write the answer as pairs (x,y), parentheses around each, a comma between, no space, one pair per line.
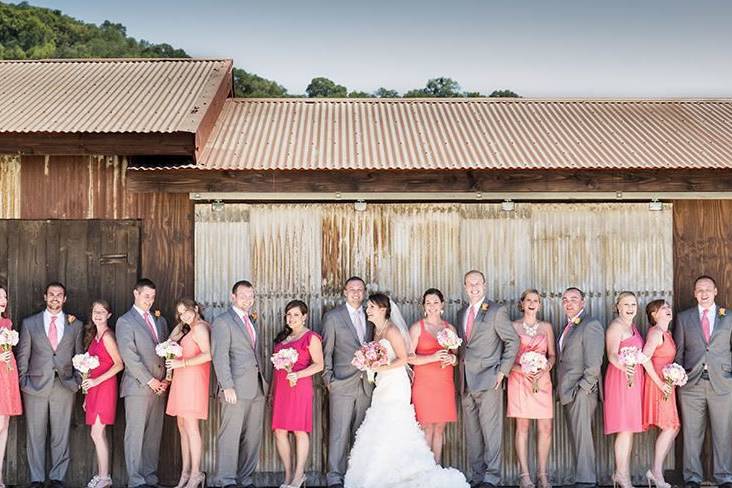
(90,329)
(524,294)
(381,301)
(652,308)
(286,330)
(189,304)
(5,314)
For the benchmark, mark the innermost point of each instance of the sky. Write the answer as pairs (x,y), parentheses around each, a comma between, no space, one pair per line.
(537,48)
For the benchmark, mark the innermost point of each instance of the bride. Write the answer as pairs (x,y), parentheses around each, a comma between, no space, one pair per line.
(390,449)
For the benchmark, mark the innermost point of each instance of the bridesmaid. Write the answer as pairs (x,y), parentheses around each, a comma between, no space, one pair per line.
(188,397)
(9,390)
(292,406)
(659,398)
(433,389)
(623,403)
(100,403)
(523,403)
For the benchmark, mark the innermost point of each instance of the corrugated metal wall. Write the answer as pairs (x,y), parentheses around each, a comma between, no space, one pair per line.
(307,251)
(9,186)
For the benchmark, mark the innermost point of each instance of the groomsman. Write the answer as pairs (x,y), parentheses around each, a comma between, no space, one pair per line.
(345,329)
(240,364)
(48,341)
(490,345)
(703,336)
(581,349)
(143,384)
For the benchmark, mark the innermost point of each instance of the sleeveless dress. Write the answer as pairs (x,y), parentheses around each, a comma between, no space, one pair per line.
(624,405)
(101,400)
(390,450)
(656,410)
(9,389)
(433,391)
(292,406)
(522,401)
(189,389)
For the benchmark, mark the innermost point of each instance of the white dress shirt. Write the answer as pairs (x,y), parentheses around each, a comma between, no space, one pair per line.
(358,317)
(244,317)
(60,323)
(711,316)
(475,307)
(152,319)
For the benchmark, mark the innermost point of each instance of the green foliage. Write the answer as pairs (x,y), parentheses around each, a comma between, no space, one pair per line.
(359,94)
(384,93)
(250,85)
(504,94)
(443,87)
(473,94)
(325,88)
(418,93)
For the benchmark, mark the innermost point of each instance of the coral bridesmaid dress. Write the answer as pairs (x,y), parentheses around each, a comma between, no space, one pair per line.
(433,390)
(623,404)
(101,400)
(522,401)
(656,410)
(190,386)
(9,388)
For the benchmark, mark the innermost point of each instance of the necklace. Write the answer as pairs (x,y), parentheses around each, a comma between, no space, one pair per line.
(531,330)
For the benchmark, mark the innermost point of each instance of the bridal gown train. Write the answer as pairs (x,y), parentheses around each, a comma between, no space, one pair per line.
(390,449)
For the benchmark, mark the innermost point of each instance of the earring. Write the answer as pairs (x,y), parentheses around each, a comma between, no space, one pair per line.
(424,314)
(441,312)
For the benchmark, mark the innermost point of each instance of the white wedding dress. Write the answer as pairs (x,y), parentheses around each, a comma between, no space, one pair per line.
(390,450)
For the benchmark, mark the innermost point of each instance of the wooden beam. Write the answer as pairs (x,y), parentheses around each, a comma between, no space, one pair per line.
(120,144)
(208,121)
(192,180)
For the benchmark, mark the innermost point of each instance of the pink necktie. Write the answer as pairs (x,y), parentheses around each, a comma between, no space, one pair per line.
(705,326)
(151,327)
(359,327)
(469,323)
(53,333)
(250,329)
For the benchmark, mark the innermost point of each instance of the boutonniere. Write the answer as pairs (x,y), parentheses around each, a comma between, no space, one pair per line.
(484,307)
(253,316)
(71,319)
(157,314)
(576,320)
(722,312)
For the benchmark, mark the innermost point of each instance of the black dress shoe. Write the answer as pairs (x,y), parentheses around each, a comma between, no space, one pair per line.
(56,484)
(36,484)
(250,485)
(691,484)
(232,486)
(337,485)
(726,485)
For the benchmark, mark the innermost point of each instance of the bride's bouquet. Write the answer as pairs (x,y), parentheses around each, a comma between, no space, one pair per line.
(631,356)
(285,359)
(531,363)
(169,350)
(449,340)
(8,339)
(674,375)
(84,363)
(369,357)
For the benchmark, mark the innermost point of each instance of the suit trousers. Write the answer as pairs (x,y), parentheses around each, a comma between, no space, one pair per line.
(483,424)
(580,412)
(57,408)
(144,415)
(696,400)
(346,413)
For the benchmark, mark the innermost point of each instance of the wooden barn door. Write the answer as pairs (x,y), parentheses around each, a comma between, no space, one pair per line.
(94,259)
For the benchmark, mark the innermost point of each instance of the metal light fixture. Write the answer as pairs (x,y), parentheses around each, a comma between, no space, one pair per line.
(359,205)
(655,205)
(217,206)
(508,205)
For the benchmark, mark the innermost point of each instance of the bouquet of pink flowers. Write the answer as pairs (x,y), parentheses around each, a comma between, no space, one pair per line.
(370,356)
(531,363)
(169,350)
(631,356)
(674,375)
(84,363)
(448,340)
(285,359)
(8,339)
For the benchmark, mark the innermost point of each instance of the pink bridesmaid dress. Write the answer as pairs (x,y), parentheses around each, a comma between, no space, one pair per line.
(9,388)
(522,401)
(292,406)
(189,390)
(657,410)
(101,400)
(623,405)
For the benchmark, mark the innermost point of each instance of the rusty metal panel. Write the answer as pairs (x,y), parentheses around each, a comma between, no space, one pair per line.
(307,251)
(9,186)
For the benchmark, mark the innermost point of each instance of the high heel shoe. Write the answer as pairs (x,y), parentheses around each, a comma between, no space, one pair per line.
(542,480)
(104,482)
(622,481)
(184,477)
(651,478)
(197,481)
(299,483)
(525,481)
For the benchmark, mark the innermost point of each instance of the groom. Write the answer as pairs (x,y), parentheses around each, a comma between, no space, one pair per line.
(490,347)
(344,330)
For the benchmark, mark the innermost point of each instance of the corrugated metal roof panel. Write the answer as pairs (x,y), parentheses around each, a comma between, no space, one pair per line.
(108,95)
(428,134)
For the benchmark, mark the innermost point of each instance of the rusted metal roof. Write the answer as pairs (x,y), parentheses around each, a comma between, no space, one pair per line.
(427,134)
(108,95)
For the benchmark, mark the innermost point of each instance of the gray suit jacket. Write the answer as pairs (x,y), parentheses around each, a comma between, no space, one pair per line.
(137,348)
(38,363)
(693,353)
(340,342)
(580,359)
(237,363)
(492,347)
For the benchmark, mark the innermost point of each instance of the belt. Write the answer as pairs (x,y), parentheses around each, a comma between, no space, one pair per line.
(705,375)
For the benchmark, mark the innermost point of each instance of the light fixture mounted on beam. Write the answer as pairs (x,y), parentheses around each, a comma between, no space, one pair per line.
(508,205)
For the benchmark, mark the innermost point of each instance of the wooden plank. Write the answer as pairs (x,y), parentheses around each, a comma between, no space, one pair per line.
(175,143)
(214,110)
(192,180)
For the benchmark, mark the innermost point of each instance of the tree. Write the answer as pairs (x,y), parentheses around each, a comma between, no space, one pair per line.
(325,88)
(473,94)
(503,94)
(250,85)
(443,87)
(384,93)
(417,93)
(359,94)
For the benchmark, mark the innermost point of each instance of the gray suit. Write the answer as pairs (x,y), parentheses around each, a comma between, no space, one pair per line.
(243,367)
(49,383)
(710,389)
(144,410)
(349,389)
(491,349)
(579,389)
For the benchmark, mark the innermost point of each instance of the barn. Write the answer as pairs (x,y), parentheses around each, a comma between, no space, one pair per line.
(112,169)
